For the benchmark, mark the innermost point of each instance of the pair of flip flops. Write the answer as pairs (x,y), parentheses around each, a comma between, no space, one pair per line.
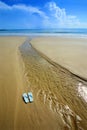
(27,97)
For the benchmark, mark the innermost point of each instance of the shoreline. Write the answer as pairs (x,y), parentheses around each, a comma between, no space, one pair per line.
(33,35)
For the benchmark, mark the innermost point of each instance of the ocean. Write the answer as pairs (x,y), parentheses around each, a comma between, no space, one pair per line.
(45,32)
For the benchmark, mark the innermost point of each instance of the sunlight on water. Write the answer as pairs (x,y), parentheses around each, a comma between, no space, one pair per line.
(82,91)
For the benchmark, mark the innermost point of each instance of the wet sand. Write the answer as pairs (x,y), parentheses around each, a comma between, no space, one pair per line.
(57,104)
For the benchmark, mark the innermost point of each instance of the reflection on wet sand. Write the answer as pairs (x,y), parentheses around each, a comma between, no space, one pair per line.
(56,91)
(82,91)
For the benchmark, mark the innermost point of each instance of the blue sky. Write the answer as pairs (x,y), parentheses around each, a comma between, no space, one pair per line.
(25,14)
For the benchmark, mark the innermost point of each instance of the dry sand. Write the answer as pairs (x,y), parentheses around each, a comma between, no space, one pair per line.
(57,104)
(10,80)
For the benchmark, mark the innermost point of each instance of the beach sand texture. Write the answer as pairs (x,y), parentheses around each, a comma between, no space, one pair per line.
(57,103)
(70,53)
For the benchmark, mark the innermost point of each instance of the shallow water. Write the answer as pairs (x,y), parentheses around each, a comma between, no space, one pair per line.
(57,93)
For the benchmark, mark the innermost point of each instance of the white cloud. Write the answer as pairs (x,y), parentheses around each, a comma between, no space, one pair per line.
(60,16)
(53,16)
(23,7)
(4,6)
(30,9)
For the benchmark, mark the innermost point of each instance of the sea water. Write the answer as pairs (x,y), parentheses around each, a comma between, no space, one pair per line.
(78,32)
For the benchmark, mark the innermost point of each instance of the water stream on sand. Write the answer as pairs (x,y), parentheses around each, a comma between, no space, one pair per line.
(55,89)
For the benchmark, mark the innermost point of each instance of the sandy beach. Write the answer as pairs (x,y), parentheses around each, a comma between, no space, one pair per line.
(59,103)
(70,53)
(10,80)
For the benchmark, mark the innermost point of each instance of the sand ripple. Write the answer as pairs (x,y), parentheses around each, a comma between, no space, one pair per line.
(55,91)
